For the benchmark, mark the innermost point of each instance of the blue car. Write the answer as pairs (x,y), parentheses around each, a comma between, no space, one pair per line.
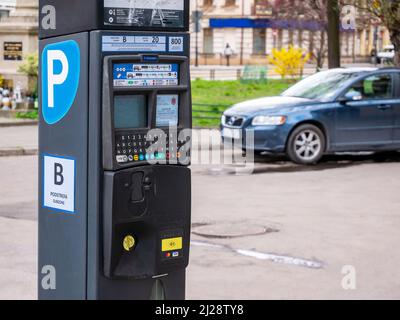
(340,110)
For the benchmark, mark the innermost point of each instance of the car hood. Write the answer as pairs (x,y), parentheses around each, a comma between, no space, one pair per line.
(266,104)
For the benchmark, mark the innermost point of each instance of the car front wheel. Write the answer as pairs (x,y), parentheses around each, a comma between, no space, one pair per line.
(306,145)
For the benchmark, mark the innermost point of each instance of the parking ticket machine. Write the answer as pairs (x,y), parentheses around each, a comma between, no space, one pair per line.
(115,143)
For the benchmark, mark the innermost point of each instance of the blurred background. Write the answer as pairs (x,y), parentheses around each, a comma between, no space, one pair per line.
(230,40)
(286,231)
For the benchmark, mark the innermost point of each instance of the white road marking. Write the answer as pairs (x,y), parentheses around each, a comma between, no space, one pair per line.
(282,259)
(300,262)
(206,244)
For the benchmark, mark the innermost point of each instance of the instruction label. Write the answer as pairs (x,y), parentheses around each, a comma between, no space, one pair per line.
(144,13)
(175,44)
(143,75)
(143,44)
(134,43)
(59,183)
(167,110)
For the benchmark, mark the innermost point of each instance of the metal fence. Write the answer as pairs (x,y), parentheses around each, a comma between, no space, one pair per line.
(208,111)
(253,73)
(216,73)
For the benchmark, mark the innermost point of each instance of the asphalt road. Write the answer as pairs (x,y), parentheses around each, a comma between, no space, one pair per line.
(308,223)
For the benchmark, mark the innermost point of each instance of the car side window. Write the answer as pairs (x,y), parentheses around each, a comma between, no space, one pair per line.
(375,87)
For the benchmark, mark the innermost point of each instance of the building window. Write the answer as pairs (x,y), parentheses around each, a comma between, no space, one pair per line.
(208,41)
(4,14)
(230,3)
(311,42)
(280,39)
(259,41)
(262,8)
(300,39)
(291,37)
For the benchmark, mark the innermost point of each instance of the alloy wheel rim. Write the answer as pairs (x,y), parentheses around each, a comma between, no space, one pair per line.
(308,145)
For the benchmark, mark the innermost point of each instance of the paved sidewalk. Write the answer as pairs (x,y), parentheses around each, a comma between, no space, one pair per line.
(337,216)
(10,122)
(18,259)
(18,140)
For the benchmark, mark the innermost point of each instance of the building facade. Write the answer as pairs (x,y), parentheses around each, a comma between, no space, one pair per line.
(18,37)
(250,29)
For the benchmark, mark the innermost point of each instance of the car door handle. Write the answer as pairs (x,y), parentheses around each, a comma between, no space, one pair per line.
(384,107)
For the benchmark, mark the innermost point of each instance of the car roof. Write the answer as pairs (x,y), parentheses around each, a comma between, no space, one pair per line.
(363,70)
(360,71)
(354,70)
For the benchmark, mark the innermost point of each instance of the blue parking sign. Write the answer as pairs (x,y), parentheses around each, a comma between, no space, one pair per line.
(60,79)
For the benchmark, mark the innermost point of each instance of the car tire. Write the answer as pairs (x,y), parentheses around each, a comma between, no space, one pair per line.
(306,145)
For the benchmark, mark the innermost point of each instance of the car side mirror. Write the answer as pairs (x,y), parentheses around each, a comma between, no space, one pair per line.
(351,96)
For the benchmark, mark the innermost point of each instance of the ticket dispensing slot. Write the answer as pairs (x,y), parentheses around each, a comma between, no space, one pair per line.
(146,223)
(146,109)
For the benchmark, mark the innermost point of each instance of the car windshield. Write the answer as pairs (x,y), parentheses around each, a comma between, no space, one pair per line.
(321,86)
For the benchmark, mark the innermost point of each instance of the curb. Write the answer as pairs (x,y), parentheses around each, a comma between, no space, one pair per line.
(16,152)
(18,124)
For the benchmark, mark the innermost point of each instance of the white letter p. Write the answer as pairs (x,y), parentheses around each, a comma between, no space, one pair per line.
(55,79)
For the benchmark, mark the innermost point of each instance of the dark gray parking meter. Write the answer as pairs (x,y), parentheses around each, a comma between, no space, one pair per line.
(114,136)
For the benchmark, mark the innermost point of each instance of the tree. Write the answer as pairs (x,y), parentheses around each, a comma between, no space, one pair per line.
(308,15)
(30,68)
(388,13)
(333,16)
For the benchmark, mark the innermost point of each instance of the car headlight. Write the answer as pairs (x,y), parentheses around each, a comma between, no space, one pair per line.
(269,121)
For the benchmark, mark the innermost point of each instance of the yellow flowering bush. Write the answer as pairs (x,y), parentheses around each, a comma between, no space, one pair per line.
(289,62)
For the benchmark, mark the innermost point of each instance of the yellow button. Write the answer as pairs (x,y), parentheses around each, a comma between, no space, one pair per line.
(136,158)
(129,243)
(172,244)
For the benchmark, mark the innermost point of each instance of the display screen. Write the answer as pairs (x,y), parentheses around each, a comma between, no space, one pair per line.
(145,13)
(130,111)
(145,75)
(167,110)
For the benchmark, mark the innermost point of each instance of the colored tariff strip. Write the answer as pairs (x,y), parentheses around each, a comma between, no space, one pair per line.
(172,244)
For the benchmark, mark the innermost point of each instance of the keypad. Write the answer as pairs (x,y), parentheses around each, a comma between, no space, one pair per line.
(142,147)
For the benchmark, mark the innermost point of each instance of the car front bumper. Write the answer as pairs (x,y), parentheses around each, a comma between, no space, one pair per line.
(258,138)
